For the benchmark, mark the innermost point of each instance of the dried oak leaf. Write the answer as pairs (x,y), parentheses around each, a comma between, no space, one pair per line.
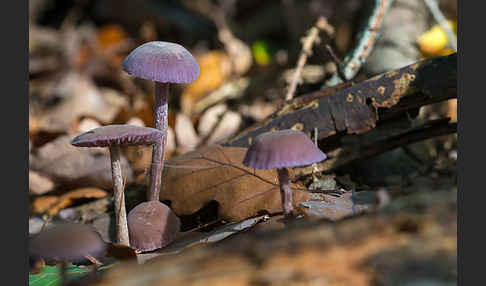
(216,173)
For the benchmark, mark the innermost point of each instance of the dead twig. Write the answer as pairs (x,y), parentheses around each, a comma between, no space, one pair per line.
(336,61)
(344,155)
(366,41)
(307,43)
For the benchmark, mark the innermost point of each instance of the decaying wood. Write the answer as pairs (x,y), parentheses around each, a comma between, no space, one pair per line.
(356,109)
(413,239)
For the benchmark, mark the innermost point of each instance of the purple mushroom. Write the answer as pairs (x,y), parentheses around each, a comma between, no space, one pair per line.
(283,149)
(152,225)
(114,136)
(163,63)
(66,243)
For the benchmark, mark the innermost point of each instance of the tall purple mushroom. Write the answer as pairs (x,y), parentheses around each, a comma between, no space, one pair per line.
(281,150)
(114,136)
(163,63)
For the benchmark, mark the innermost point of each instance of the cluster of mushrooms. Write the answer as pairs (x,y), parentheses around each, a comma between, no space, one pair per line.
(152,225)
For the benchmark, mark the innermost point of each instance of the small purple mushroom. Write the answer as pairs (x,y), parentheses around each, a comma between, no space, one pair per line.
(164,63)
(152,225)
(283,149)
(66,243)
(114,136)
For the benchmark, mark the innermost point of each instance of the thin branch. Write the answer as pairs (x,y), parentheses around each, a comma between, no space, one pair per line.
(347,154)
(336,61)
(366,40)
(441,19)
(307,43)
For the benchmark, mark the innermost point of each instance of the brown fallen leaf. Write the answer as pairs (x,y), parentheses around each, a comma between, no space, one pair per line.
(216,173)
(69,198)
(78,167)
(42,204)
(53,204)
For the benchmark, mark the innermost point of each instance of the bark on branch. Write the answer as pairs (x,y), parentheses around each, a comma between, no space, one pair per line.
(356,109)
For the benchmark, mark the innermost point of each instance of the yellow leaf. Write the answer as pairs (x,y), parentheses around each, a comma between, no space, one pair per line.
(215,69)
(434,42)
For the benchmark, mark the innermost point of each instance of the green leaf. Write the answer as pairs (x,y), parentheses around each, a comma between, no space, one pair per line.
(49,276)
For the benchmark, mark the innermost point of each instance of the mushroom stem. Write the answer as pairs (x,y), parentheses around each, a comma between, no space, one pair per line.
(120,212)
(62,273)
(160,120)
(285,191)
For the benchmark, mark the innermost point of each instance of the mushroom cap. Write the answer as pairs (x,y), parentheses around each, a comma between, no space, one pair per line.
(122,135)
(282,149)
(67,242)
(162,62)
(152,225)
